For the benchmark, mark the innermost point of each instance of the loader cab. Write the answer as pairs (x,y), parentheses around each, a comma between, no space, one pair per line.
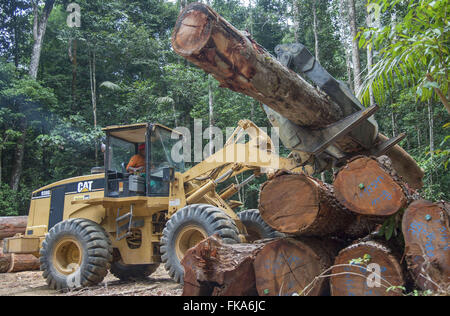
(122,143)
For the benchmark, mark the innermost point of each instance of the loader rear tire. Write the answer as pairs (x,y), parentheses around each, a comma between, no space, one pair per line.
(187,227)
(256,227)
(126,272)
(75,253)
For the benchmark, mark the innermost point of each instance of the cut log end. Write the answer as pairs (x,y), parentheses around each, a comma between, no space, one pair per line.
(288,266)
(218,269)
(364,187)
(17,262)
(294,203)
(381,271)
(284,198)
(426,231)
(191,32)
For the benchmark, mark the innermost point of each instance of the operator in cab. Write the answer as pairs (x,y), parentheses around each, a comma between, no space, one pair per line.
(137,162)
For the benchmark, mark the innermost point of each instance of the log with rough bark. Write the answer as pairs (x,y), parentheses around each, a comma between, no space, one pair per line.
(370,186)
(367,268)
(404,164)
(294,203)
(213,268)
(207,40)
(17,262)
(11,225)
(288,266)
(426,231)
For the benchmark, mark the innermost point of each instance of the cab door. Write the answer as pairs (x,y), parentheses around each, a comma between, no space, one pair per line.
(56,206)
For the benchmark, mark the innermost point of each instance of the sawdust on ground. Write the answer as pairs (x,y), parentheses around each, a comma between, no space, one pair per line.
(31,283)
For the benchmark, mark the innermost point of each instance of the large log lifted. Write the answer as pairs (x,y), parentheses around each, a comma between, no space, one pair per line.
(240,64)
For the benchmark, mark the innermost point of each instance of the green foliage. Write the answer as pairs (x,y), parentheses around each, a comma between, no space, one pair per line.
(13,203)
(139,78)
(391,226)
(414,47)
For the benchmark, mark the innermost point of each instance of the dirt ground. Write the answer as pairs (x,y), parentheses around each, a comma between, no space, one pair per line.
(31,283)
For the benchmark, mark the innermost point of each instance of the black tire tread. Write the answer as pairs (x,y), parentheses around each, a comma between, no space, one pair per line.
(97,249)
(212,217)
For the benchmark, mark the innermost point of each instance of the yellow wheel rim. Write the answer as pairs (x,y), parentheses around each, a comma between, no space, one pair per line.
(68,255)
(188,237)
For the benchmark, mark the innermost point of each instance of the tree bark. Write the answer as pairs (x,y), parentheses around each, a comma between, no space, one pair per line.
(73,59)
(343,34)
(315,31)
(372,277)
(240,64)
(369,186)
(39,27)
(404,164)
(211,115)
(296,14)
(93,83)
(12,225)
(213,268)
(355,49)
(19,153)
(371,23)
(426,231)
(298,204)
(288,266)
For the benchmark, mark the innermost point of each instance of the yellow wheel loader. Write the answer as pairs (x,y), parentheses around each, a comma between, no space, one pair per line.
(127,224)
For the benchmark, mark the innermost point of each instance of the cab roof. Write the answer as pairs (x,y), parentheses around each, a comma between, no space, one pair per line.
(134,133)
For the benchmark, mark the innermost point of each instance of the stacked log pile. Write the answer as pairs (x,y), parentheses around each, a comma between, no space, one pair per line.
(344,239)
(370,197)
(9,227)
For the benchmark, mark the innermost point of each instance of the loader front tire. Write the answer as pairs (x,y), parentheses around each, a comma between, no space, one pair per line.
(187,227)
(256,227)
(75,253)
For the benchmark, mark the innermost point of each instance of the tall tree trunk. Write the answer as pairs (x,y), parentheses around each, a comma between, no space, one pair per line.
(355,49)
(73,60)
(16,172)
(15,33)
(343,26)
(93,96)
(316,50)
(1,165)
(431,126)
(182,5)
(370,60)
(39,27)
(211,115)
(296,12)
(394,132)
(431,131)
(315,30)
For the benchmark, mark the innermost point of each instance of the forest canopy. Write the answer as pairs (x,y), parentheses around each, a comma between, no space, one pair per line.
(60,85)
